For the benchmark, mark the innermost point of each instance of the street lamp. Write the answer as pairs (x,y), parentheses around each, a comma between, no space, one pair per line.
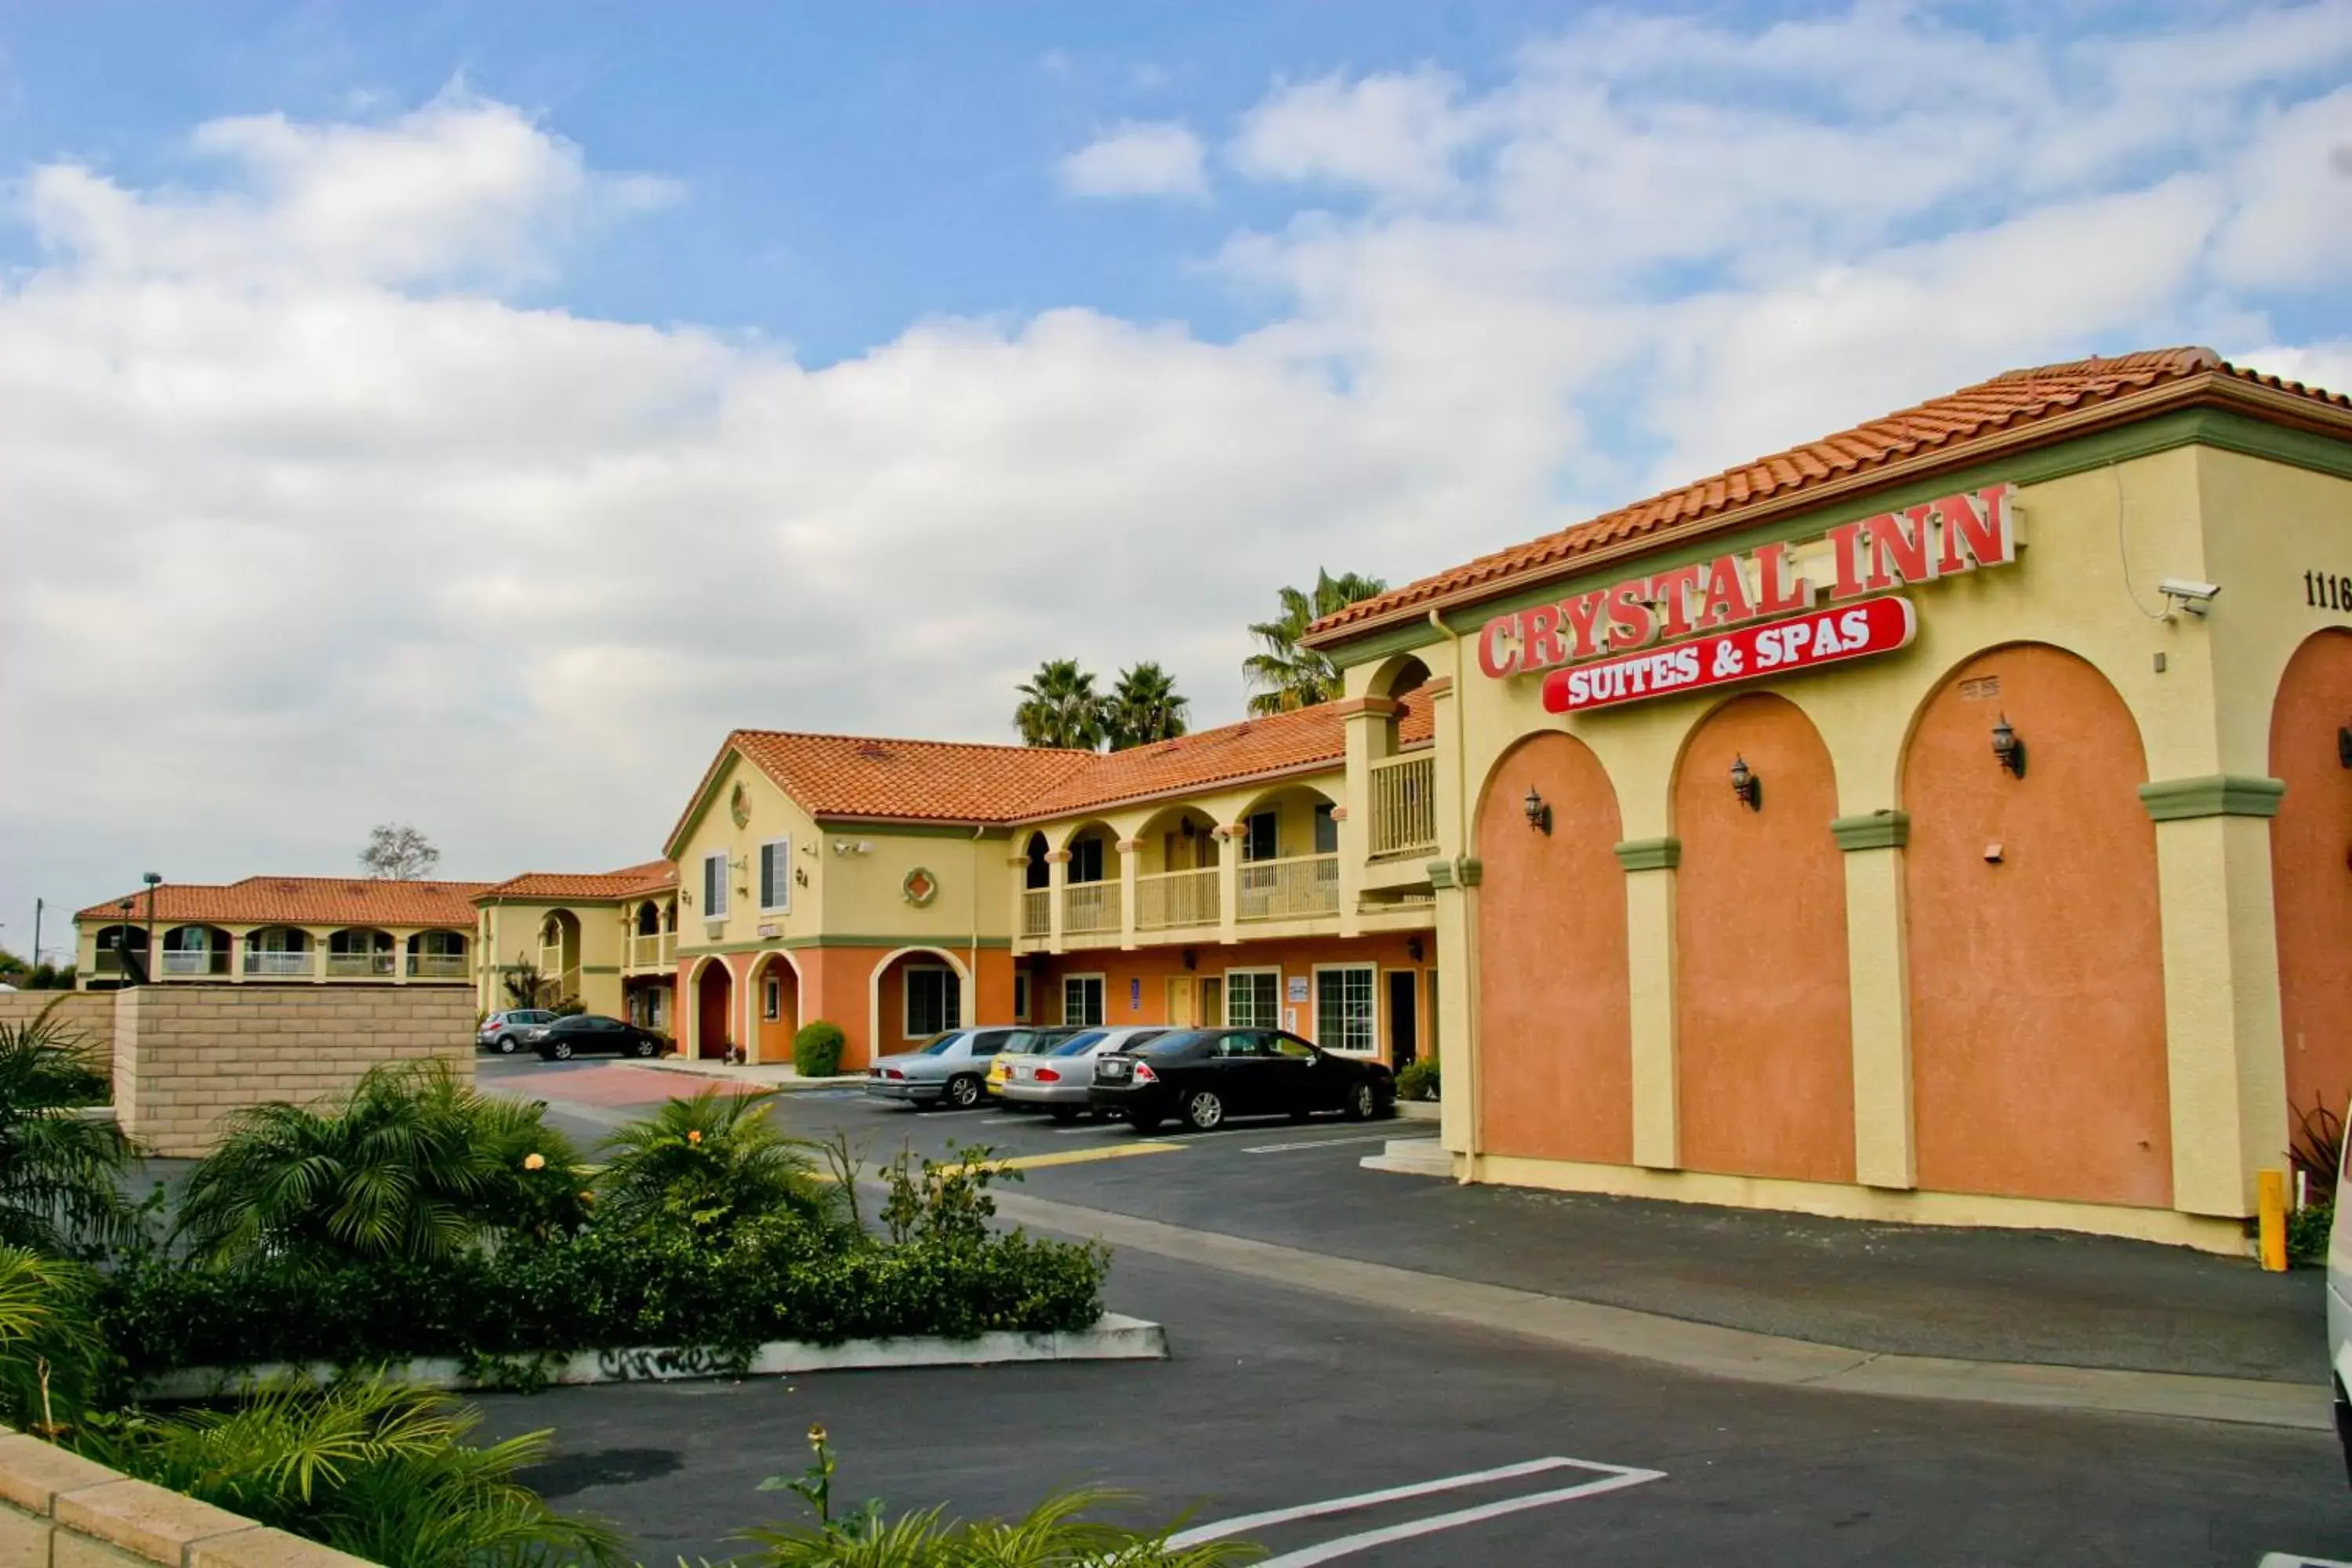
(153,879)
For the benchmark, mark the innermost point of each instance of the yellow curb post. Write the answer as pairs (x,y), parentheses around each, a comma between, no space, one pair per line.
(2272,1191)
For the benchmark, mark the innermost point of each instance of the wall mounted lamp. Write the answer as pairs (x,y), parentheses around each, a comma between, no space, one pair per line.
(1413,948)
(1747,784)
(2008,750)
(1537,811)
(2344,745)
(1191,958)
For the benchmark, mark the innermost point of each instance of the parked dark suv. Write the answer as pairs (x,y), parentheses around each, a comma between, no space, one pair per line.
(1204,1076)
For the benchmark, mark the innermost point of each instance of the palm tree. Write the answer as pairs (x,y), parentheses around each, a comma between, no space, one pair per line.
(1144,707)
(710,1162)
(413,1163)
(1290,676)
(1059,706)
(50,1350)
(60,1170)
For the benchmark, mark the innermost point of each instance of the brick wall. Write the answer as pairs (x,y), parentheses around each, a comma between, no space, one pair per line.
(187,1055)
(59,1507)
(87,1013)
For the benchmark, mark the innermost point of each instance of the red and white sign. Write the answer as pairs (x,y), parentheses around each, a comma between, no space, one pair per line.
(1775,648)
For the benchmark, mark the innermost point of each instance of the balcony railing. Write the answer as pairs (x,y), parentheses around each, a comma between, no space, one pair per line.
(658,950)
(1168,899)
(188,963)
(1299,887)
(1404,804)
(436,967)
(360,966)
(1088,907)
(1037,911)
(271,964)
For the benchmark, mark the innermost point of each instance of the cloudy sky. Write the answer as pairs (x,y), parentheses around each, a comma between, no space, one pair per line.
(466,414)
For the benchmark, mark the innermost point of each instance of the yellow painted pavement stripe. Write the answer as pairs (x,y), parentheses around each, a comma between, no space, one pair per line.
(1084,1156)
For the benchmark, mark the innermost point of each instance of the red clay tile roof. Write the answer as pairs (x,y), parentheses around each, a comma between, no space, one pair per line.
(304,901)
(585,886)
(2022,403)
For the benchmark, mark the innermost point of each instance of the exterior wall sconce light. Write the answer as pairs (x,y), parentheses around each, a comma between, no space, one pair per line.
(1537,811)
(2344,745)
(1413,948)
(1746,785)
(2007,749)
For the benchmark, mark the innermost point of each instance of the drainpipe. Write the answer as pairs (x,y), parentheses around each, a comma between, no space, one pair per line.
(1468,984)
(971,957)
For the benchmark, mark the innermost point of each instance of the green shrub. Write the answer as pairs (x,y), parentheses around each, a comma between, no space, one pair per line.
(61,1173)
(1417,1080)
(52,1359)
(2306,1233)
(816,1050)
(708,1163)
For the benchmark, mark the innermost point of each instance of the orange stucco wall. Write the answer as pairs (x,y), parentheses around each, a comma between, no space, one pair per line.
(1556,1011)
(2311,873)
(1763,1028)
(775,1036)
(2037,982)
(1144,974)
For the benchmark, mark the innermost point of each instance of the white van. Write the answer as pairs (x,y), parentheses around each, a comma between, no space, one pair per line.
(2339,1316)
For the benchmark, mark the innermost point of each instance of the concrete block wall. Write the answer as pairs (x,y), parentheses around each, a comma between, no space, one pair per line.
(186,1055)
(89,1013)
(58,1509)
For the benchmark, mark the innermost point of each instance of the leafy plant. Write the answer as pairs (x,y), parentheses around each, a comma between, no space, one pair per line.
(1144,707)
(1418,1080)
(710,1163)
(2306,1233)
(1053,1534)
(525,985)
(51,1355)
(943,1202)
(1287,675)
(379,1469)
(817,1050)
(2316,1147)
(60,1172)
(1060,707)
(413,1163)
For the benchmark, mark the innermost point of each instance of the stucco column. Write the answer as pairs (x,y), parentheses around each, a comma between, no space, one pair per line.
(1128,862)
(1878,983)
(1229,883)
(1455,920)
(2224,1046)
(1353,845)
(1058,877)
(1650,963)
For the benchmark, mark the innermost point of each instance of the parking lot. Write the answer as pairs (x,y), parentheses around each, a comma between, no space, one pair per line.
(1332,1430)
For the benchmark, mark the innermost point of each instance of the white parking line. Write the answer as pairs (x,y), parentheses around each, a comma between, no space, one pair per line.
(2289,1560)
(1608,1479)
(1328,1143)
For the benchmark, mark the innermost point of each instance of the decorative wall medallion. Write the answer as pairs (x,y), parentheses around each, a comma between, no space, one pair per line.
(919,888)
(738,805)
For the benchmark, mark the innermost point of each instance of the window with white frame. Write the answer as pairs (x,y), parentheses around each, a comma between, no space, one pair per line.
(1327,829)
(776,877)
(714,885)
(1345,1019)
(1082,1001)
(771,998)
(934,1001)
(1253,998)
(1260,838)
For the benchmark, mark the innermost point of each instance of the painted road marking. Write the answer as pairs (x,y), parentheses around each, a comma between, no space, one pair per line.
(1330,1142)
(1084,1156)
(1608,1479)
(2289,1560)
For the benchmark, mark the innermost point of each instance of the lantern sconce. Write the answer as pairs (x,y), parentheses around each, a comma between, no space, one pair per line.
(1747,784)
(1413,948)
(1537,811)
(2344,745)
(2008,749)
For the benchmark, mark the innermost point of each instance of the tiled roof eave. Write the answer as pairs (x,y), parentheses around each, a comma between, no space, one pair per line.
(1335,763)
(2205,389)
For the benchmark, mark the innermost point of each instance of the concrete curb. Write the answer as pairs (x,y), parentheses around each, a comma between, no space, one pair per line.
(1419,1110)
(1703,1348)
(784,1081)
(1115,1337)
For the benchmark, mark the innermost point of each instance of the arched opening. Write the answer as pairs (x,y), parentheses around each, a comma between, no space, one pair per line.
(1399,680)
(279,952)
(649,919)
(1287,842)
(1091,881)
(917,993)
(358,953)
(1035,871)
(437,955)
(2038,1064)
(198,951)
(1555,1031)
(115,941)
(776,1009)
(2310,838)
(1036,889)
(1764,1079)
(714,1007)
(1176,875)
(559,957)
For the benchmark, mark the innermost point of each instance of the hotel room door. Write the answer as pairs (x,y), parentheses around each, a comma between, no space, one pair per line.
(1179,1002)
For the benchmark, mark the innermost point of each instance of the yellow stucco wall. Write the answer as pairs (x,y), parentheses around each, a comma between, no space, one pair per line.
(509,931)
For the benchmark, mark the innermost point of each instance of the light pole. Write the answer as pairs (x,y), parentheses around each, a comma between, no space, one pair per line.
(154,959)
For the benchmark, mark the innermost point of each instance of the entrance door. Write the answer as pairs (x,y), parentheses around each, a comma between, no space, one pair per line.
(1180,1003)
(714,1004)
(1212,1003)
(1404,1018)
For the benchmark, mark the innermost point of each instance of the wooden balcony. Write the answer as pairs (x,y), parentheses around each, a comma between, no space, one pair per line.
(658,952)
(1168,899)
(1301,887)
(1089,908)
(1037,911)
(1404,805)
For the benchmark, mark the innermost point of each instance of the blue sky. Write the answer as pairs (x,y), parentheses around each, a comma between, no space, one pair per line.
(395,391)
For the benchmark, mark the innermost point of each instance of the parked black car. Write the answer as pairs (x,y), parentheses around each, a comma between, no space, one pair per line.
(584,1034)
(1205,1076)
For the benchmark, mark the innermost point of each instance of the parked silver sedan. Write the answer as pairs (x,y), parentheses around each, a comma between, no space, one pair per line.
(1059,1079)
(949,1069)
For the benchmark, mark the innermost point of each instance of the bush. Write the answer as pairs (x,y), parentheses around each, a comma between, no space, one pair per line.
(1417,1080)
(816,1050)
(2307,1234)
(61,1173)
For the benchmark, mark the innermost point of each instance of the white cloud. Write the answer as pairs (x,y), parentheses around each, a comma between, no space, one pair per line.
(1395,134)
(1155,158)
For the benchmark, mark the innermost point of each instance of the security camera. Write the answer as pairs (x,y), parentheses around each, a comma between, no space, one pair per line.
(2194,597)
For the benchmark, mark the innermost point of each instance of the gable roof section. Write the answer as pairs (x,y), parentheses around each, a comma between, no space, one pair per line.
(571,887)
(304,901)
(2018,408)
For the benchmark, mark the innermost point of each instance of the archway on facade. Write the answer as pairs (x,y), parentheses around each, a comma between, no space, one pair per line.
(1763,1026)
(1401,680)
(559,957)
(1090,892)
(2034,955)
(2309,890)
(1287,842)
(916,993)
(775,1008)
(437,955)
(1176,873)
(278,952)
(196,950)
(360,953)
(1555,1059)
(714,1009)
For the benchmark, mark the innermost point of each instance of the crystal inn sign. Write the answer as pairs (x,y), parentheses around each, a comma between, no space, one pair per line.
(1751,613)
